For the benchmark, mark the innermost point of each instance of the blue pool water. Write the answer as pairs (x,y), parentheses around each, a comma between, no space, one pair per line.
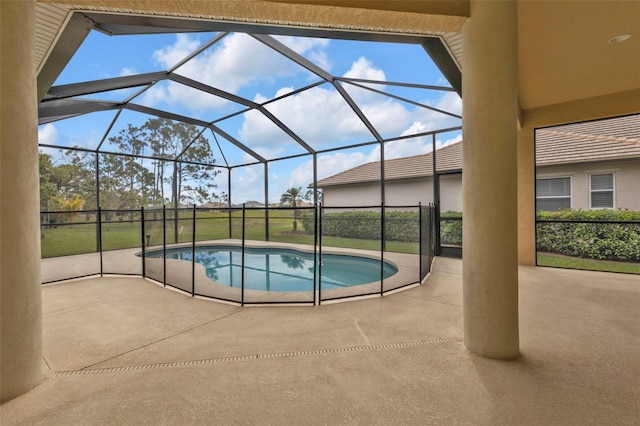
(276,269)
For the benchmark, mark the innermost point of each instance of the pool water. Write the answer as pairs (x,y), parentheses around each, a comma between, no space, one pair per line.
(276,269)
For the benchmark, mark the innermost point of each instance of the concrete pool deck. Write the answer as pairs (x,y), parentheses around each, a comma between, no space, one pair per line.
(127,351)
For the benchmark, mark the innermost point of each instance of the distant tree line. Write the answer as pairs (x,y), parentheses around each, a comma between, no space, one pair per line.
(129,181)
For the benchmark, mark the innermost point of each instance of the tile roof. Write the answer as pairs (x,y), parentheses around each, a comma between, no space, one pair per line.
(448,158)
(604,140)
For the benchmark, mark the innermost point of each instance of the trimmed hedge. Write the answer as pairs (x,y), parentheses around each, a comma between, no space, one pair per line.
(399,226)
(451,230)
(604,241)
(590,240)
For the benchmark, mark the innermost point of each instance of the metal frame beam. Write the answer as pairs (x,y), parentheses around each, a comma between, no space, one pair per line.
(400,98)
(441,56)
(237,143)
(292,55)
(396,83)
(212,90)
(105,85)
(65,108)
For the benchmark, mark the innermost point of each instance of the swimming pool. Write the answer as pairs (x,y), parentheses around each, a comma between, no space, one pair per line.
(280,269)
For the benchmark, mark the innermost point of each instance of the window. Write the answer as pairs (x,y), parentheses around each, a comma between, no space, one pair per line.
(601,191)
(553,194)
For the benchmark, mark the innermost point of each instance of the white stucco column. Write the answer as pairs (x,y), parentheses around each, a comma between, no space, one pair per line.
(526,197)
(490,258)
(21,363)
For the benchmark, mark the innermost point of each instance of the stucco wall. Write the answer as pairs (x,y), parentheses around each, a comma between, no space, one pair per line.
(366,194)
(403,192)
(451,193)
(409,192)
(406,192)
(627,182)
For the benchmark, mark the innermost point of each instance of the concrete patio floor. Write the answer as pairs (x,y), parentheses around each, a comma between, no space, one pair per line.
(126,351)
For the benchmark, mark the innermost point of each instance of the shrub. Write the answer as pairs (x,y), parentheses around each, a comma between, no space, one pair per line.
(451,230)
(612,241)
(399,226)
(589,238)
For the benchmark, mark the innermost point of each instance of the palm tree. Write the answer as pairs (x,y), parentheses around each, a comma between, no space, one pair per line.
(70,205)
(292,196)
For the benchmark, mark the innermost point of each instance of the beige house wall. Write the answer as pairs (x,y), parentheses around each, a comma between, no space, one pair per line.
(405,192)
(451,193)
(402,192)
(409,192)
(363,194)
(627,179)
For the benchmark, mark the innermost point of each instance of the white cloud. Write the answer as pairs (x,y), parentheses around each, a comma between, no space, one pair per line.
(387,116)
(127,71)
(407,148)
(319,116)
(236,61)
(270,152)
(170,92)
(413,146)
(247,184)
(313,49)
(154,96)
(450,102)
(440,143)
(302,45)
(168,56)
(47,134)
(364,69)
(329,165)
(416,127)
(262,135)
(427,120)
(321,59)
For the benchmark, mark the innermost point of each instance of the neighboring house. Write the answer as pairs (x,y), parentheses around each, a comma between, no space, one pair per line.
(408,181)
(589,165)
(581,166)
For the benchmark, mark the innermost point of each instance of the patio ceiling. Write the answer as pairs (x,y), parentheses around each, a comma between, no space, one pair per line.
(568,70)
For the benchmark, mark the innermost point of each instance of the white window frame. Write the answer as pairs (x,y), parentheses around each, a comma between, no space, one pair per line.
(556,197)
(613,190)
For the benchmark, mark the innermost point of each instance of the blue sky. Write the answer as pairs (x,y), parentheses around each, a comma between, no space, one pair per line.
(239,64)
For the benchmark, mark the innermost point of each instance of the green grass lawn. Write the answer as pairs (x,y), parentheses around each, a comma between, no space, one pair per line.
(80,236)
(548,259)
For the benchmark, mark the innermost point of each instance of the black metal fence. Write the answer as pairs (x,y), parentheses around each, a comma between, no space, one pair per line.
(228,254)
(427,239)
